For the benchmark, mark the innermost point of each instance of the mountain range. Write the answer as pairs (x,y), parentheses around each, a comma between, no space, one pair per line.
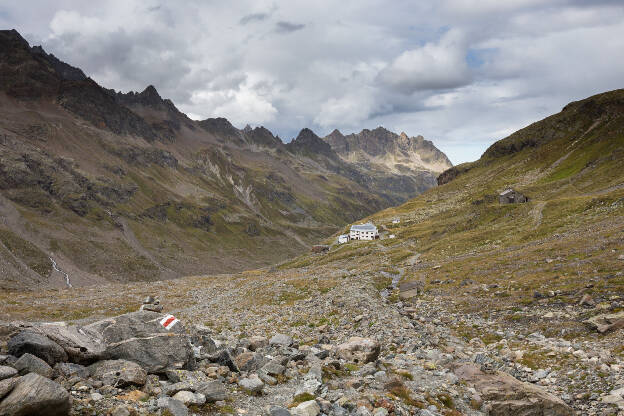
(101,185)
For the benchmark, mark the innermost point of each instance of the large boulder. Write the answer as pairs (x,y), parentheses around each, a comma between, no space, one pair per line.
(507,396)
(359,350)
(118,373)
(139,337)
(58,343)
(38,345)
(36,395)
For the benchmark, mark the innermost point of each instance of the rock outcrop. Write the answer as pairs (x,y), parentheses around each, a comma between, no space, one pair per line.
(506,396)
(141,338)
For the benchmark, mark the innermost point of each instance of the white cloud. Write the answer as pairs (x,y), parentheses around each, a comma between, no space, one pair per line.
(433,66)
(460,72)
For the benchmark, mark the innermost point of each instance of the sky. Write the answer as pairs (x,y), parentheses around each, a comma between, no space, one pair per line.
(462,73)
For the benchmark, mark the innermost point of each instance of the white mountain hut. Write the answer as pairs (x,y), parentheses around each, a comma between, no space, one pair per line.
(366,231)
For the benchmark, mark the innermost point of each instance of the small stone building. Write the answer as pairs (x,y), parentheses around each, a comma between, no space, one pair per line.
(511,196)
(320,248)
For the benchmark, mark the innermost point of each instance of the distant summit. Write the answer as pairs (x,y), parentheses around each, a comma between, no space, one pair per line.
(389,150)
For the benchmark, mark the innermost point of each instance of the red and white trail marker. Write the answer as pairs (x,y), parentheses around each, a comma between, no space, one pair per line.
(169,321)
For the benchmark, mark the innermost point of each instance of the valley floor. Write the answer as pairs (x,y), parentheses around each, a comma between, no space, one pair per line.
(424,339)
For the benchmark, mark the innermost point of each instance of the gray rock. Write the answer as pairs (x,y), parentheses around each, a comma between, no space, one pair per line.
(193,377)
(118,373)
(249,361)
(278,411)
(190,398)
(7,385)
(96,397)
(214,391)
(171,389)
(139,337)
(69,370)
(185,380)
(224,358)
(202,337)
(267,379)
(273,368)
(36,395)
(149,299)
(281,340)
(359,350)
(7,372)
(251,384)
(256,342)
(151,307)
(37,345)
(28,363)
(175,407)
(309,408)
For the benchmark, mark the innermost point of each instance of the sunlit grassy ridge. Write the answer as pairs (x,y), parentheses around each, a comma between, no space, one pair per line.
(570,165)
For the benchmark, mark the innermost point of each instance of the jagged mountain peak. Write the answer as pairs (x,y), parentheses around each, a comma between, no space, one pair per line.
(262,136)
(307,142)
(219,126)
(306,134)
(336,133)
(12,35)
(389,151)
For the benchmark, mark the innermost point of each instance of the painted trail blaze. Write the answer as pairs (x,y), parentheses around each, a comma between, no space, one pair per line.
(169,321)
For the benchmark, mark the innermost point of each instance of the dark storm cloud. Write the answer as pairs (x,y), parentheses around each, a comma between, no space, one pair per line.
(461,72)
(254,17)
(288,27)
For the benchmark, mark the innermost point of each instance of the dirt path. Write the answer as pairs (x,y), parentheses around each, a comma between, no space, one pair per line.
(536,214)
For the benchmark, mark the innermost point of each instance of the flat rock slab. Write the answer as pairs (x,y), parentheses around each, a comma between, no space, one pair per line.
(507,396)
(36,395)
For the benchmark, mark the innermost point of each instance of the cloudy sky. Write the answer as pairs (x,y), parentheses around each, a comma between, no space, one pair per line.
(463,73)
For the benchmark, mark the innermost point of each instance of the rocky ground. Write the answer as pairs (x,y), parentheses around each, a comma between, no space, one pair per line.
(308,342)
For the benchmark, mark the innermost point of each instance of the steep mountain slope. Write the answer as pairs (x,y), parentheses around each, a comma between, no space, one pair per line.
(125,187)
(396,165)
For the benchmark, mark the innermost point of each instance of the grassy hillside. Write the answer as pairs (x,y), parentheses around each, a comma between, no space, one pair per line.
(565,242)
